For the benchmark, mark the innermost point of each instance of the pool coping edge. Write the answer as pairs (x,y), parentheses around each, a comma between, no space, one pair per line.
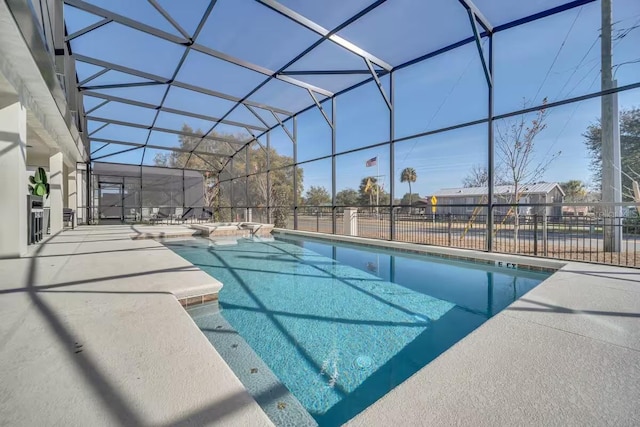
(505,261)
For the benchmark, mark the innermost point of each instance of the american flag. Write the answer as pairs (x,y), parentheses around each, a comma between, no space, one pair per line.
(372,161)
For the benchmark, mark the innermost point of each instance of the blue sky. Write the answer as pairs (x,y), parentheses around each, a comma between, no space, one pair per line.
(557,58)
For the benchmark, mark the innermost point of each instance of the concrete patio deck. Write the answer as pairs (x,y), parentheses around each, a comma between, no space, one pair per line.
(91,334)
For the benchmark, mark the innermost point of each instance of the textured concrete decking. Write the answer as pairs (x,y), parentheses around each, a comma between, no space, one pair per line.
(91,334)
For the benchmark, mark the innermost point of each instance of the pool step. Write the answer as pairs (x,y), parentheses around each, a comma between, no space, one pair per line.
(192,301)
(239,229)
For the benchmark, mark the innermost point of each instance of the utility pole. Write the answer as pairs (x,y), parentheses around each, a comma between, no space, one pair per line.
(611,181)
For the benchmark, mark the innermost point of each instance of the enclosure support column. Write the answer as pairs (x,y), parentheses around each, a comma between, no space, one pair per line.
(333,165)
(89,197)
(392,215)
(72,194)
(474,18)
(490,153)
(268,195)
(295,173)
(140,204)
(56,182)
(247,214)
(13,178)
(231,205)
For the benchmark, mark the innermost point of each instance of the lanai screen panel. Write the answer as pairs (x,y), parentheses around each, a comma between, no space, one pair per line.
(234,69)
(283,104)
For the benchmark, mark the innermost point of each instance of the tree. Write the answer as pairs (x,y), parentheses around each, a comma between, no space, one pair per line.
(208,161)
(478,176)
(515,149)
(280,177)
(317,196)
(574,191)
(280,212)
(225,179)
(367,193)
(210,156)
(368,187)
(409,198)
(347,197)
(629,150)
(408,175)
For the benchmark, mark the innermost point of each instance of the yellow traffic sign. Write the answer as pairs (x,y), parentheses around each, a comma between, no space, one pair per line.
(434,200)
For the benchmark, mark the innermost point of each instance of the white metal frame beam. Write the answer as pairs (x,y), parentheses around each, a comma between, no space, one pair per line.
(471,7)
(324,114)
(477,36)
(157,147)
(164,80)
(131,23)
(379,84)
(165,130)
(167,109)
(318,29)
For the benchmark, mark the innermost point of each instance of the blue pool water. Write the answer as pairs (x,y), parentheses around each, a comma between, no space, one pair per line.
(340,326)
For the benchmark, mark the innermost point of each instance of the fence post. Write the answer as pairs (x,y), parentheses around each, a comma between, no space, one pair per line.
(545,246)
(448,229)
(317,219)
(535,234)
(350,218)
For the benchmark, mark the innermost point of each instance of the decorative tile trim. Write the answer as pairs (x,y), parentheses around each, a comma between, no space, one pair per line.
(197,300)
(145,236)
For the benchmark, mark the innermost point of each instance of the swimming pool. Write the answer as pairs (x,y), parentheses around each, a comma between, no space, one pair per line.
(342,325)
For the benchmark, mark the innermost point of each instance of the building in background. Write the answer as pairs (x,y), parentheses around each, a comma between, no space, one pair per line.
(463,201)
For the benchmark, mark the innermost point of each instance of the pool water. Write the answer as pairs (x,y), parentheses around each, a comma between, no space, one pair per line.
(340,326)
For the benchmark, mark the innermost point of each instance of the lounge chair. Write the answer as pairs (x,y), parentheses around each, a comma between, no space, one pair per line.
(163,214)
(188,214)
(205,215)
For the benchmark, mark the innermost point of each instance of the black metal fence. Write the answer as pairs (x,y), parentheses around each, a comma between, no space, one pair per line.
(591,237)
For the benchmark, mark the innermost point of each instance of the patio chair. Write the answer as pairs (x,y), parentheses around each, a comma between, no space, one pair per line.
(188,214)
(68,215)
(177,213)
(206,215)
(163,214)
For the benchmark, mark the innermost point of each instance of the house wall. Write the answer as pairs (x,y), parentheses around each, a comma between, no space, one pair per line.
(444,207)
(554,196)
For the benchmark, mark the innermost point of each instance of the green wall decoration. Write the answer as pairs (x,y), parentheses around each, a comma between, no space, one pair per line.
(38,183)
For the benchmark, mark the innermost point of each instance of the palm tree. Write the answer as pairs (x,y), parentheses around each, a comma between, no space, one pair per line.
(408,175)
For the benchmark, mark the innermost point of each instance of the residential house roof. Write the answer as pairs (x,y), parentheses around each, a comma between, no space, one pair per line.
(536,188)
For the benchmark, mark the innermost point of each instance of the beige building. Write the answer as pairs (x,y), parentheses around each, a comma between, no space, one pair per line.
(463,201)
